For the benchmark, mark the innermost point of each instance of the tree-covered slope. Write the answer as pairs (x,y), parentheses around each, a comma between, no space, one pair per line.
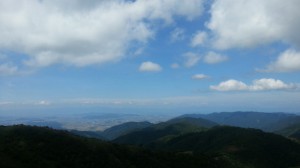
(248,146)
(125,128)
(241,147)
(165,130)
(36,147)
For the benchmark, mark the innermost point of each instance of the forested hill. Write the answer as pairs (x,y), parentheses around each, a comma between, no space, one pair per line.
(177,143)
(36,147)
(244,147)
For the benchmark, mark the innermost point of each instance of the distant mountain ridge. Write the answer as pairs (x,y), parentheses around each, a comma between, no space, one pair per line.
(258,120)
(166,130)
(122,129)
(201,122)
(270,122)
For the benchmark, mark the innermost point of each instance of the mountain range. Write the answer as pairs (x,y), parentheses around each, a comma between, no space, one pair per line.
(259,120)
(279,123)
(237,139)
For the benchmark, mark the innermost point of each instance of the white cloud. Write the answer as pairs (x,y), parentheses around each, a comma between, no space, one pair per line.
(257,85)
(7,69)
(230,85)
(191,59)
(177,34)
(175,66)
(139,51)
(251,23)
(150,67)
(198,39)
(287,61)
(214,58)
(83,33)
(270,84)
(199,76)
(44,103)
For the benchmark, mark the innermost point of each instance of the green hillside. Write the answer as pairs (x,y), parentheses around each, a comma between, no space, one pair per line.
(165,131)
(36,147)
(250,146)
(292,131)
(177,143)
(125,128)
(242,147)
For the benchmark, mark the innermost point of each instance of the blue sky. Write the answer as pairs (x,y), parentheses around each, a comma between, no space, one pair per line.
(192,56)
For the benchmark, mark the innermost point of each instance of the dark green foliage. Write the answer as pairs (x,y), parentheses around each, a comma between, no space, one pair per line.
(296,135)
(239,146)
(292,131)
(289,124)
(125,128)
(177,143)
(249,146)
(165,130)
(44,123)
(89,134)
(199,122)
(35,147)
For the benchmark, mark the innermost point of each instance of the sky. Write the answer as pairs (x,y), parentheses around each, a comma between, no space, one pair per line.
(159,55)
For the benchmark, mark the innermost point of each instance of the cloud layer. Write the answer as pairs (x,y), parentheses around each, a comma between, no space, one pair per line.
(214,58)
(8,69)
(251,23)
(287,61)
(199,39)
(177,34)
(191,59)
(83,33)
(257,85)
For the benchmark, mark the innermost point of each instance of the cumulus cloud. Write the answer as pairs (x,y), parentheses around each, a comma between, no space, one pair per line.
(287,61)
(230,85)
(270,84)
(150,67)
(214,58)
(82,33)
(251,23)
(177,34)
(191,59)
(198,39)
(199,76)
(257,85)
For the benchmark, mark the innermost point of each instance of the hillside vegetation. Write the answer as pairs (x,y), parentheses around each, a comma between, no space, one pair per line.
(36,147)
(184,141)
(239,146)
